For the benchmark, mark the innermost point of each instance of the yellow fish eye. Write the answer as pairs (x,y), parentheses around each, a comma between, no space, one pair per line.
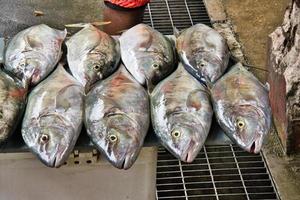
(155,66)
(44,138)
(176,134)
(96,67)
(112,138)
(240,123)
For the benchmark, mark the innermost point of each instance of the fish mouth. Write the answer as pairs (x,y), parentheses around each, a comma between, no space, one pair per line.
(124,163)
(56,161)
(190,153)
(254,147)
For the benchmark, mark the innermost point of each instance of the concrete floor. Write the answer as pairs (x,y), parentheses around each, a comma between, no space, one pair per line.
(16,15)
(253,21)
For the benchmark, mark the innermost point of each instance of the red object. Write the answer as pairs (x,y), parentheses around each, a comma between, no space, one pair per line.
(129,3)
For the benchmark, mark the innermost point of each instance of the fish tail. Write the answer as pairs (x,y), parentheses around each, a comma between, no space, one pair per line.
(176,32)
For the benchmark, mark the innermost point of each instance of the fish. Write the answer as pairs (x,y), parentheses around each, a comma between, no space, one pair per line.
(117,117)
(12,104)
(242,108)
(181,114)
(33,53)
(147,54)
(203,51)
(92,55)
(53,117)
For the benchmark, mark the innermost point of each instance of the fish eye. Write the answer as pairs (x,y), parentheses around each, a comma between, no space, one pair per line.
(240,123)
(96,67)
(44,138)
(155,66)
(176,134)
(202,64)
(113,138)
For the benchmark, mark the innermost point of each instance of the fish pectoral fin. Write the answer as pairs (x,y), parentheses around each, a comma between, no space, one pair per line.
(196,98)
(66,95)
(33,43)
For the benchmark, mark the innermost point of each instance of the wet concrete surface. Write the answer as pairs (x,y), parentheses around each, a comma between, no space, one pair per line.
(15,15)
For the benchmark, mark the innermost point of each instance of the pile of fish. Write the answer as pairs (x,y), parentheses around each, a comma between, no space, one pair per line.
(117,87)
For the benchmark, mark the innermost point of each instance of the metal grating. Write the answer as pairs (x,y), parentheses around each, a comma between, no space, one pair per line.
(163,15)
(220,172)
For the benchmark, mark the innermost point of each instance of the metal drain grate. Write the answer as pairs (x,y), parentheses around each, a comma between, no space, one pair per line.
(163,15)
(220,172)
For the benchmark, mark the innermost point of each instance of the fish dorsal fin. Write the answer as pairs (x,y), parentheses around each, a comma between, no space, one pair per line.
(176,32)
(65,95)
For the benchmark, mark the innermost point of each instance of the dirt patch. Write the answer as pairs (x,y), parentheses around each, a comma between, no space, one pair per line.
(253,21)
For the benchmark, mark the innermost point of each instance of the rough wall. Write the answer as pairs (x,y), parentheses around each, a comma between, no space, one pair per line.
(284,78)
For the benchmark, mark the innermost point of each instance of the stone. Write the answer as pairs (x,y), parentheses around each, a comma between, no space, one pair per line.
(284,78)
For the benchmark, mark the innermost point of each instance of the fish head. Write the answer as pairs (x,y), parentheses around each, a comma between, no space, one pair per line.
(119,142)
(93,70)
(51,144)
(29,69)
(248,127)
(184,137)
(155,68)
(208,65)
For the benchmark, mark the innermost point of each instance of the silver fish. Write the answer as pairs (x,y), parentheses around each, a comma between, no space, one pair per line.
(33,53)
(12,102)
(147,54)
(203,51)
(92,55)
(242,108)
(117,117)
(53,117)
(181,114)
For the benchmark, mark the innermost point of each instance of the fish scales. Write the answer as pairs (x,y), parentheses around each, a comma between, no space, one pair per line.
(181,114)
(147,54)
(241,104)
(33,53)
(117,117)
(203,51)
(12,102)
(53,117)
(92,55)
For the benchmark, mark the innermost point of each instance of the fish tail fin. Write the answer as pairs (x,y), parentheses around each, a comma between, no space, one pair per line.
(25,83)
(150,86)
(176,32)
(82,25)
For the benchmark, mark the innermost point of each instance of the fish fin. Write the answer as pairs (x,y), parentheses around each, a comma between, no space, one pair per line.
(33,43)
(172,41)
(82,25)
(208,85)
(63,34)
(176,32)
(65,95)
(267,86)
(150,86)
